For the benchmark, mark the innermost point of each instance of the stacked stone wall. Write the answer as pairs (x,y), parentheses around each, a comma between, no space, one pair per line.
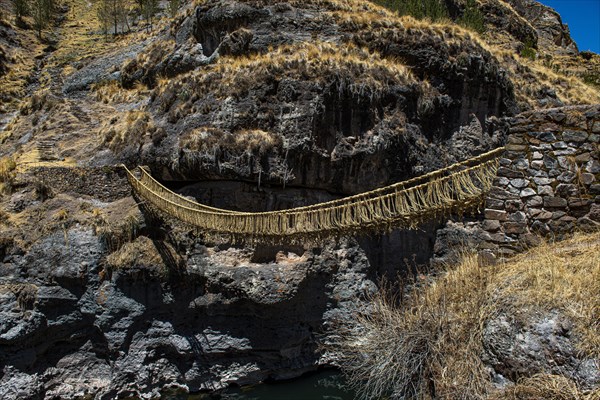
(548,183)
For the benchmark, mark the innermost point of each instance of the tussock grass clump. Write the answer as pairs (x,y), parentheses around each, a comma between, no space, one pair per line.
(140,253)
(451,37)
(430,343)
(564,277)
(112,92)
(252,141)
(7,167)
(40,100)
(546,386)
(129,130)
(531,78)
(7,174)
(143,67)
(243,148)
(115,235)
(4,218)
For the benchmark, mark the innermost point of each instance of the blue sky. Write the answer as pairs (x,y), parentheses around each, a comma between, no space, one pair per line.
(583,18)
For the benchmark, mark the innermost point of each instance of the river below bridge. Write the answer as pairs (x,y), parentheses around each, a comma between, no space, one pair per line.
(322,385)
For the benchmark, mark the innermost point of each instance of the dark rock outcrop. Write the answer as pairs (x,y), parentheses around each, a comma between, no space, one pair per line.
(553,35)
(329,127)
(229,315)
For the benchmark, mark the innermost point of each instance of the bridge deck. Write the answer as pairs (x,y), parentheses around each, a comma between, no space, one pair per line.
(401,205)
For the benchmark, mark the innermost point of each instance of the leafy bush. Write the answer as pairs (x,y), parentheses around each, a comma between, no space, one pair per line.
(432,9)
(528,50)
(472,17)
(591,79)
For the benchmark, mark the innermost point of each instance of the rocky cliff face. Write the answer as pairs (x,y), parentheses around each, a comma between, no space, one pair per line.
(228,316)
(553,35)
(319,111)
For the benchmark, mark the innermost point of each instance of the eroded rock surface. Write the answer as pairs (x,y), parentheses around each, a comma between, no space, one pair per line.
(227,316)
(537,343)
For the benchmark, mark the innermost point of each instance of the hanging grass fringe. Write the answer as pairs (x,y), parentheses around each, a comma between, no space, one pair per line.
(406,204)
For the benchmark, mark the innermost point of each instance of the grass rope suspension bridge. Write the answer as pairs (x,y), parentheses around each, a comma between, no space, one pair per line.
(406,204)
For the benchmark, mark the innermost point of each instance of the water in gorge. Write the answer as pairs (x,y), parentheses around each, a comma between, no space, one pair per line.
(322,385)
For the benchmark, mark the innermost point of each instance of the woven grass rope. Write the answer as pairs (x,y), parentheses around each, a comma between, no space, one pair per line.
(406,204)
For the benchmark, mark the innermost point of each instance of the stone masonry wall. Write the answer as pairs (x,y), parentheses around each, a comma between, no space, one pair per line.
(549,181)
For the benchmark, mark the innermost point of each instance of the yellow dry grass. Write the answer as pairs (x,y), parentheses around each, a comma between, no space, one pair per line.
(315,60)
(353,69)
(7,166)
(139,253)
(434,338)
(81,39)
(546,386)
(128,128)
(22,59)
(249,140)
(113,92)
(450,32)
(7,174)
(530,77)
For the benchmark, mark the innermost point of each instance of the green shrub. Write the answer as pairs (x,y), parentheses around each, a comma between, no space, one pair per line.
(432,9)
(472,17)
(173,7)
(528,50)
(592,79)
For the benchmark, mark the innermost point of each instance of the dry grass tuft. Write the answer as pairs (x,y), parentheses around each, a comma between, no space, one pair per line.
(531,78)
(7,174)
(546,386)
(40,100)
(431,342)
(251,141)
(4,218)
(140,253)
(112,92)
(7,167)
(115,235)
(434,338)
(129,129)
(142,68)
(563,276)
